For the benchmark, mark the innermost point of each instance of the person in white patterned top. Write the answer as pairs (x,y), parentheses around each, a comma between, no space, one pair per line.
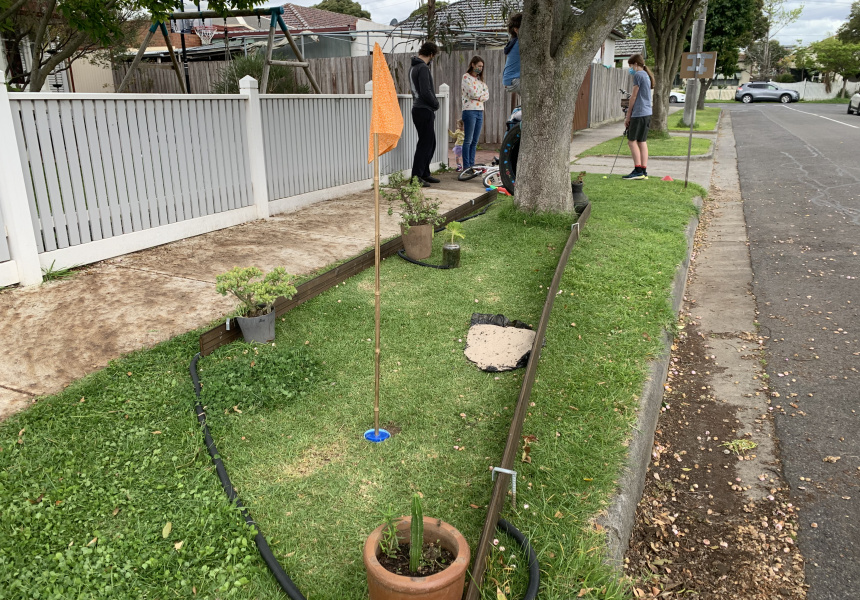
(473,93)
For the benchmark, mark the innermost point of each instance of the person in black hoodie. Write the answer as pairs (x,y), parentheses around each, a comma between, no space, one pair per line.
(424,107)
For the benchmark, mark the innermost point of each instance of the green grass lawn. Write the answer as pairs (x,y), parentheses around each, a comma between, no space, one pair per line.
(706,120)
(91,478)
(674,145)
(829,101)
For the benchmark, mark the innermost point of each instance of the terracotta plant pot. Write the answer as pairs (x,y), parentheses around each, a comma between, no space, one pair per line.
(445,585)
(418,241)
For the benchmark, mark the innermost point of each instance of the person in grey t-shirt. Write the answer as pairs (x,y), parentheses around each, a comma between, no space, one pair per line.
(638,119)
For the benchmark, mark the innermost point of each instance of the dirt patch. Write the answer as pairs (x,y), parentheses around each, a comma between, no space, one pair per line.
(314,459)
(697,535)
(65,330)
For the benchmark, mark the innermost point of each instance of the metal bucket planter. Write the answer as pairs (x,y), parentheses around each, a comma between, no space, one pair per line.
(418,241)
(445,585)
(580,200)
(258,329)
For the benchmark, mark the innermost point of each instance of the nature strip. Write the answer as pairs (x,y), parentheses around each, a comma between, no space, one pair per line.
(500,489)
(222,335)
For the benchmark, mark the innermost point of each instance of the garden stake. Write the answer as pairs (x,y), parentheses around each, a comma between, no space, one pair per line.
(376,435)
(387,120)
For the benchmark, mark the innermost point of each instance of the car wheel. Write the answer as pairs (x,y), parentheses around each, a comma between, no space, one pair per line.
(673,100)
(849,109)
(747,98)
(785,98)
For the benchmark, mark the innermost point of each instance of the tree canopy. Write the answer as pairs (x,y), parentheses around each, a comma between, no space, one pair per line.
(344,7)
(835,58)
(849,32)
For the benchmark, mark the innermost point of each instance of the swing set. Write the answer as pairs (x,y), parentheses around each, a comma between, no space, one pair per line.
(276,20)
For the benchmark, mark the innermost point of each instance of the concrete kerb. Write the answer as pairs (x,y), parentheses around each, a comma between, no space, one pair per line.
(621,515)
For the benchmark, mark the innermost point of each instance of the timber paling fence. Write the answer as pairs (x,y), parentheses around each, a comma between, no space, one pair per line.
(86,177)
(348,74)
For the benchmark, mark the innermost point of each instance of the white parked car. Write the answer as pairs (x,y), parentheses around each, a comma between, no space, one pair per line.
(854,104)
(677,97)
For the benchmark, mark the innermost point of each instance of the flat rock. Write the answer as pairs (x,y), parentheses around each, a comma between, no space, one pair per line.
(494,348)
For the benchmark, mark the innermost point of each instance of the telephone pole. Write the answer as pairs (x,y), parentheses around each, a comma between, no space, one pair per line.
(697,42)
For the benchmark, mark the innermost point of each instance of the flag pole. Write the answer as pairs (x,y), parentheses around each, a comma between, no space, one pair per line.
(376,252)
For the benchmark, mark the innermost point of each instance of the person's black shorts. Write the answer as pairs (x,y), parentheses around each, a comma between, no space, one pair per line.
(638,130)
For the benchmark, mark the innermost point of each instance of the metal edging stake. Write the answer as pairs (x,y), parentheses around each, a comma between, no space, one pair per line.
(513,475)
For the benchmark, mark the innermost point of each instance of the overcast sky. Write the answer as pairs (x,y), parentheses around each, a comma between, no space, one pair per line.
(820,18)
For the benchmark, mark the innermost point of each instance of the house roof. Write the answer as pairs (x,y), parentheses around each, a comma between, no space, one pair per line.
(301,18)
(627,48)
(477,15)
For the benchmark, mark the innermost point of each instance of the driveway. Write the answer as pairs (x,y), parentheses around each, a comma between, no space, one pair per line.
(800,181)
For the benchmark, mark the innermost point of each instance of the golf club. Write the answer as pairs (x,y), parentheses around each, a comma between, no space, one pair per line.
(625,100)
(623,135)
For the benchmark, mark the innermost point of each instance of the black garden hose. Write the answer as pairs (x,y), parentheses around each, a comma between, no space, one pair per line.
(402,253)
(266,552)
(534,567)
(274,566)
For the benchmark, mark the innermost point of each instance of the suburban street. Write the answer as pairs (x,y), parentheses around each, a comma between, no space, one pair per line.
(799,168)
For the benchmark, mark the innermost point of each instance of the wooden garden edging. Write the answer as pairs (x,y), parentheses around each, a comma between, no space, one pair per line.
(500,488)
(221,335)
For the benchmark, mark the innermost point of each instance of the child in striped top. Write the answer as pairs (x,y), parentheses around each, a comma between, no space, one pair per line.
(458,135)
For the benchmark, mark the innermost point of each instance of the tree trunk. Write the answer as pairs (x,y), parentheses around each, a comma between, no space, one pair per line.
(544,159)
(556,49)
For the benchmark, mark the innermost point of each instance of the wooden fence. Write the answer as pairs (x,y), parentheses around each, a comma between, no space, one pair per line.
(605,103)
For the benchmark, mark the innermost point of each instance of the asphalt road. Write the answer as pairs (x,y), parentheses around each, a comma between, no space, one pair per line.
(799,170)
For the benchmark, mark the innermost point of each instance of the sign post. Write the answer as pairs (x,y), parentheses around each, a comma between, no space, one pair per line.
(696,65)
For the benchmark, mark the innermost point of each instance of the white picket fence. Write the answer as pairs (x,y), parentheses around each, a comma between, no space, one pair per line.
(85,177)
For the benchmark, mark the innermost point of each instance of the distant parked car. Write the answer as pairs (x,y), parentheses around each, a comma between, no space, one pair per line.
(759,90)
(677,97)
(854,104)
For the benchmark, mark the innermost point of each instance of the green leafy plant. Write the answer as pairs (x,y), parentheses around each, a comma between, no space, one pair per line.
(416,534)
(415,207)
(389,542)
(455,230)
(282,80)
(51,274)
(256,291)
(738,446)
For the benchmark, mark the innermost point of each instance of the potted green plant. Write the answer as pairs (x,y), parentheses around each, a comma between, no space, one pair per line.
(418,214)
(580,200)
(451,250)
(257,292)
(416,557)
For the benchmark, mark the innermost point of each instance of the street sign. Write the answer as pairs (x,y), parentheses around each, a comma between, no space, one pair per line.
(698,65)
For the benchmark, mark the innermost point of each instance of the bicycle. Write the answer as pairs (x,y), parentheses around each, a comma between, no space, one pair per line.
(490,173)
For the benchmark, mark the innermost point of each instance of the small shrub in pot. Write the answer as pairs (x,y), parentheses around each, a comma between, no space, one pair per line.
(257,293)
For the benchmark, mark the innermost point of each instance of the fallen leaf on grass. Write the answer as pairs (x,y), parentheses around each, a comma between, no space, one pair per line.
(584,591)
(167,529)
(93,541)
(115,511)
(500,595)
(155,432)
(474,506)
(558,514)
(178,545)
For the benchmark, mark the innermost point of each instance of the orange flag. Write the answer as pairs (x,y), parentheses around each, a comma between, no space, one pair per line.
(386,118)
